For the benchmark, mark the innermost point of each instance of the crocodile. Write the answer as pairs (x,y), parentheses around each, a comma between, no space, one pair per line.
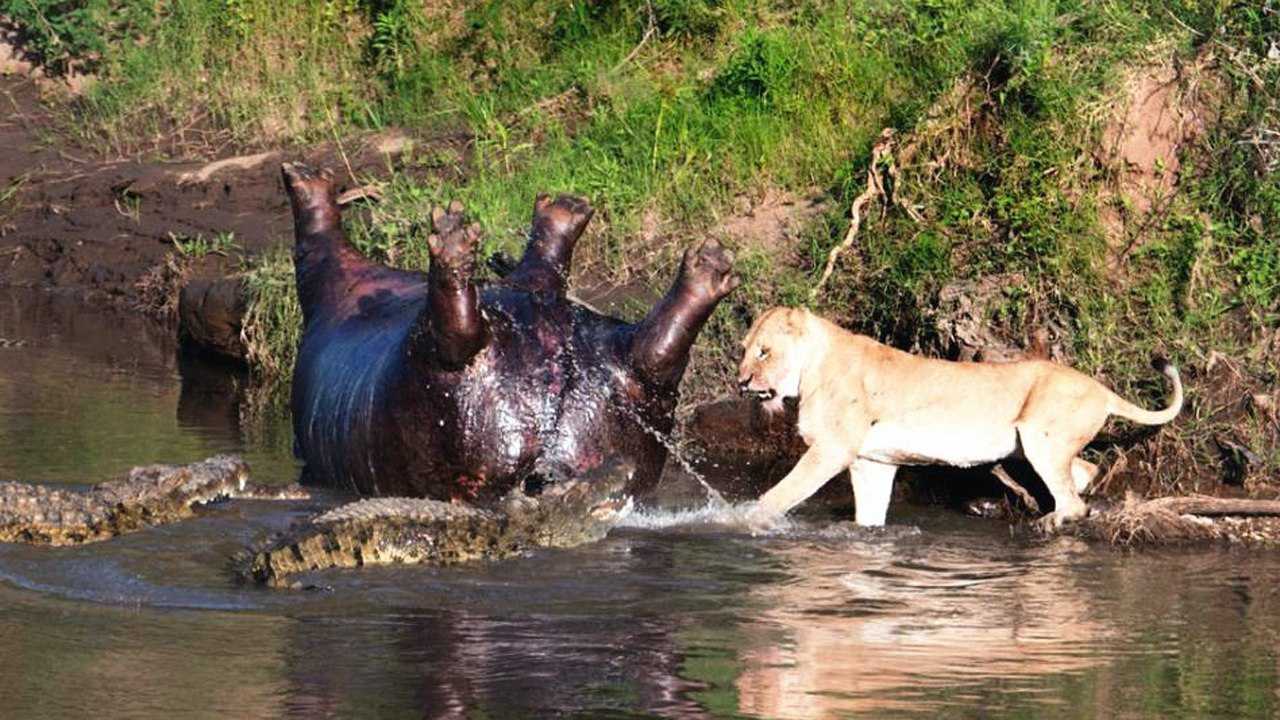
(148,496)
(371,531)
(404,530)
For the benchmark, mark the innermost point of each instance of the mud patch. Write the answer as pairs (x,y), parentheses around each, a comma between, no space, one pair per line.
(127,232)
(1162,112)
(773,220)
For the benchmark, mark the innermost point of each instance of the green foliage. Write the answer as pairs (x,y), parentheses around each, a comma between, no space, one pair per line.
(76,33)
(689,19)
(762,69)
(273,322)
(198,246)
(393,43)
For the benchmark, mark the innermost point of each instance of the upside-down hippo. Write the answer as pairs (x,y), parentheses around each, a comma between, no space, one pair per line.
(432,385)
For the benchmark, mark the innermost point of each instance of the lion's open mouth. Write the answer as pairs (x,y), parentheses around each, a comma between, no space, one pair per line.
(765,395)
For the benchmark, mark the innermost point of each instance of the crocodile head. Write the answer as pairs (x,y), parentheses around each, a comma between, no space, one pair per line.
(572,510)
(163,493)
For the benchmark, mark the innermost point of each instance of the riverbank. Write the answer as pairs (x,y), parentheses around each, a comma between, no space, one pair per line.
(1087,183)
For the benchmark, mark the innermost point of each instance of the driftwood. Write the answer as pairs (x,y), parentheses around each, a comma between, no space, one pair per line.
(1174,520)
(1216,507)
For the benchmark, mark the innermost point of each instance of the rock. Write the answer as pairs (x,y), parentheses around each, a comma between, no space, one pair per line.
(743,449)
(211,315)
(1237,459)
(741,431)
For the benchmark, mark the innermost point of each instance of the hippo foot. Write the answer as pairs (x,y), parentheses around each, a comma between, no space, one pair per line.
(306,186)
(707,271)
(313,198)
(453,245)
(562,219)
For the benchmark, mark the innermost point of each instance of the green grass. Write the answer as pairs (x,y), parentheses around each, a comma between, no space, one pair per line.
(664,112)
(198,246)
(273,323)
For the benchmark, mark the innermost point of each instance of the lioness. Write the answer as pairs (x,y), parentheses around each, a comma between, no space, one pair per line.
(870,408)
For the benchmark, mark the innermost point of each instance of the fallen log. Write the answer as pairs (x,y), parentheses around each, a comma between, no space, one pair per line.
(1187,519)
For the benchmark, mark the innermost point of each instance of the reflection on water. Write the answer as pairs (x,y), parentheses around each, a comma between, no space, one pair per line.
(937,616)
(88,393)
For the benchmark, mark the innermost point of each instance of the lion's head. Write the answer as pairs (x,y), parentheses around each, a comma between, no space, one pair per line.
(774,353)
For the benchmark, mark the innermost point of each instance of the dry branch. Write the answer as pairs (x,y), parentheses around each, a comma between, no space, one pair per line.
(1206,506)
(364,192)
(1003,476)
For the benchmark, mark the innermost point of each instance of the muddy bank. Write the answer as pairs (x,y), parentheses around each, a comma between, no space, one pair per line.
(130,231)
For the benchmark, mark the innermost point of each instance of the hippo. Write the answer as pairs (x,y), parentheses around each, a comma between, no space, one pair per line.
(435,385)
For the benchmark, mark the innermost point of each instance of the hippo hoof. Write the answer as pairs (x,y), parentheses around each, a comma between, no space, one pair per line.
(566,216)
(452,244)
(708,270)
(305,185)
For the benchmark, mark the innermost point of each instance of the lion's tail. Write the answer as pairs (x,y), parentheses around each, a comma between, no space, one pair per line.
(1129,411)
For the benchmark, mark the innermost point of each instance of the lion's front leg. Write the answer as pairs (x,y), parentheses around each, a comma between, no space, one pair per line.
(818,465)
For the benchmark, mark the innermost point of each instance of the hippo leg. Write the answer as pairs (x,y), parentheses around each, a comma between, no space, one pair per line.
(323,259)
(660,346)
(451,321)
(557,225)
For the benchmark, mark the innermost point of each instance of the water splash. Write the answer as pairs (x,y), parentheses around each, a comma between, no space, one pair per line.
(713,515)
(715,500)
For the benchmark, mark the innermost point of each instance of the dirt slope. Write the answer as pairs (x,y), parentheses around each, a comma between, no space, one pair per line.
(75,221)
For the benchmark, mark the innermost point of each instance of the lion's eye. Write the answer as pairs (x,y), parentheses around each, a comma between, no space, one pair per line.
(764,352)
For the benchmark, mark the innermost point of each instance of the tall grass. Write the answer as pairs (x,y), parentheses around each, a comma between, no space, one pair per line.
(272,324)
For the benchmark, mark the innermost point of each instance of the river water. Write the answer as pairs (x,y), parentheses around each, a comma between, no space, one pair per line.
(939,615)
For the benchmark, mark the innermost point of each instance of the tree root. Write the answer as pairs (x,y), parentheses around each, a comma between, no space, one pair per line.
(875,188)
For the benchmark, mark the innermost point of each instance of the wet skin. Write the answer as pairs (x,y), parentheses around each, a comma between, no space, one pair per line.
(429,385)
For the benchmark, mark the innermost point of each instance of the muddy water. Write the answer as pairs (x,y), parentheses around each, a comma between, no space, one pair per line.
(675,615)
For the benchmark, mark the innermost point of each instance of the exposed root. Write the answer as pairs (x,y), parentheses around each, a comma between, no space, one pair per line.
(241,163)
(875,188)
(364,192)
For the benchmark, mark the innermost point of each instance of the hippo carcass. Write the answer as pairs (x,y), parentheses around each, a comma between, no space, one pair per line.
(431,385)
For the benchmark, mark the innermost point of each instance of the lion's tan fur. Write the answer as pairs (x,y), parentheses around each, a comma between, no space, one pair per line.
(870,408)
